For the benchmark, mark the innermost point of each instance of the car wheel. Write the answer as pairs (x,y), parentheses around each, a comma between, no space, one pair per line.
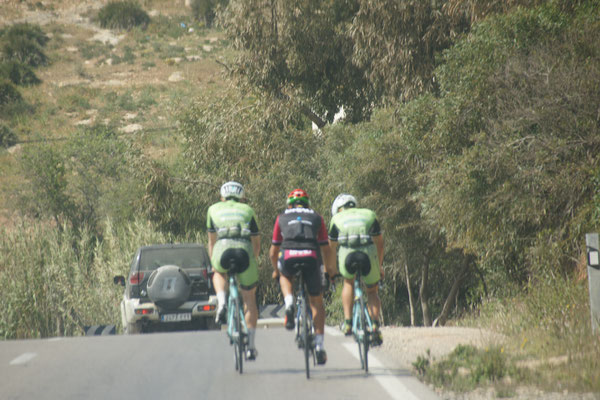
(211,325)
(132,328)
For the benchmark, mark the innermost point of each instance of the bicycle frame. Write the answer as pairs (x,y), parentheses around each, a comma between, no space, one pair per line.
(237,330)
(362,325)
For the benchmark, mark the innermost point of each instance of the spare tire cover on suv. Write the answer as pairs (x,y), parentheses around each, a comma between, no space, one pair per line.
(169,286)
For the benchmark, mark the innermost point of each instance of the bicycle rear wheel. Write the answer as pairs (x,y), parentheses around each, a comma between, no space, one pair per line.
(365,337)
(238,342)
(305,336)
(358,332)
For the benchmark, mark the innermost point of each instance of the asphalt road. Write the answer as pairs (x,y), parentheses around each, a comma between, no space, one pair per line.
(193,365)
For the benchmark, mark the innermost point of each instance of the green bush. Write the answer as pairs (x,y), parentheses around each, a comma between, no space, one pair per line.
(205,10)
(7,136)
(28,31)
(467,367)
(18,73)
(122,15)
(55,280)
(24,43)
(164,26)
(9,95)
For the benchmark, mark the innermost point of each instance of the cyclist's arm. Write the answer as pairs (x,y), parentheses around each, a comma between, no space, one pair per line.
(212,239)
(276,241)
(378,241)
(273,256)
(255,239)
(332,257)
(328,259)
(254,236)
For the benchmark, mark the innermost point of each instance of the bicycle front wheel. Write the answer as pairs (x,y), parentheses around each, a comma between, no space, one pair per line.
(305,336)
(238,342)
(364,340)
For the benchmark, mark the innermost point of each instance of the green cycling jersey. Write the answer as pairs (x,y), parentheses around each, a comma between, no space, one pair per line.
(233,223)
(353,229)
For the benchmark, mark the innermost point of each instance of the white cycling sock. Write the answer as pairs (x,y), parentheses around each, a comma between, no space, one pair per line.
(288,300)
(221,297)
(319,342)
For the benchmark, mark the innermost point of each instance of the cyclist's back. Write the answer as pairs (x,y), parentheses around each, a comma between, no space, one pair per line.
(353,230)
(234,223)
(357,235)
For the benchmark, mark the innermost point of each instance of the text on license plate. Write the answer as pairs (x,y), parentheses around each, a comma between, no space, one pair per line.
(176,317)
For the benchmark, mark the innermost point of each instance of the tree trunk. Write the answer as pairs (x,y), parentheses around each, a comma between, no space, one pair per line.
(312,116)
(410,297)
(448,304)
(423,295)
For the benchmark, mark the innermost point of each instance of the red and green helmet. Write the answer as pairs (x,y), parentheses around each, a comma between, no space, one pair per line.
(298,196)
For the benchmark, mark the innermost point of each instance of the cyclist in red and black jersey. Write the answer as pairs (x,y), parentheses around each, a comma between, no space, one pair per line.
(300,235)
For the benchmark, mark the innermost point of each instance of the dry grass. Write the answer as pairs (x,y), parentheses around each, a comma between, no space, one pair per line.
(91,82)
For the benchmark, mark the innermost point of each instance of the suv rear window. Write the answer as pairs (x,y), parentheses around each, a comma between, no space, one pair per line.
(184,257)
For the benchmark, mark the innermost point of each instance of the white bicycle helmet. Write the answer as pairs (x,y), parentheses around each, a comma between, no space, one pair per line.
(343,200)
(232,190)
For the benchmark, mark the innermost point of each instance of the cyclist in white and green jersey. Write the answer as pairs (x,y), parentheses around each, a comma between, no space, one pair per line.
(358,235)
(233,236)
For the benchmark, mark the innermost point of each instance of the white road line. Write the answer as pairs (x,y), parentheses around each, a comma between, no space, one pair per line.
(391,384)
(23,358)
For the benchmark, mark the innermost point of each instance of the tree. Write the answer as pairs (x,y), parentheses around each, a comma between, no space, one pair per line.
(514,140)
(301,51)
(396,44)
(92,176)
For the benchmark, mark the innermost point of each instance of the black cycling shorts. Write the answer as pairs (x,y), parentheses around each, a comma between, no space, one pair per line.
(291,260)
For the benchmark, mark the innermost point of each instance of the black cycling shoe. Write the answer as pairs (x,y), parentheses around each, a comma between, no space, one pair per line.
(251,354)
(289,318)
(221,317)
(376,338)
(321,357)
(346,328)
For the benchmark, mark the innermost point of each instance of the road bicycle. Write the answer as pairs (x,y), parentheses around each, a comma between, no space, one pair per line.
(236,322)
(305,337)
(362,325)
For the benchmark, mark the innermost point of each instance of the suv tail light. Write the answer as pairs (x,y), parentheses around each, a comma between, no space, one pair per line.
(136,278)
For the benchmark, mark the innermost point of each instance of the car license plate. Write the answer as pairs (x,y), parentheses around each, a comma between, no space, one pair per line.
(176,317)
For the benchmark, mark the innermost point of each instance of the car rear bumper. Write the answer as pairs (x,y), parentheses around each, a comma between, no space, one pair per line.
(150,313)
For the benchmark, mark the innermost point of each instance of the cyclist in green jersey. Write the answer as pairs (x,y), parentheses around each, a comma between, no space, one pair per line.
(355,232)
(233,235)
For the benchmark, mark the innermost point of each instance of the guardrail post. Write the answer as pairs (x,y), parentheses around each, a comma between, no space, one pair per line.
(593,267)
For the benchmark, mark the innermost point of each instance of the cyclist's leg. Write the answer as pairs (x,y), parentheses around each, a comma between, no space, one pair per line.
(347,303)
(248,279)
(286,278)
(374,303)
(312,278)
(371,281)
(318,311)
(288,270)
(220,281)
(250,308)
(251,316)
(220,285)
(347,290)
